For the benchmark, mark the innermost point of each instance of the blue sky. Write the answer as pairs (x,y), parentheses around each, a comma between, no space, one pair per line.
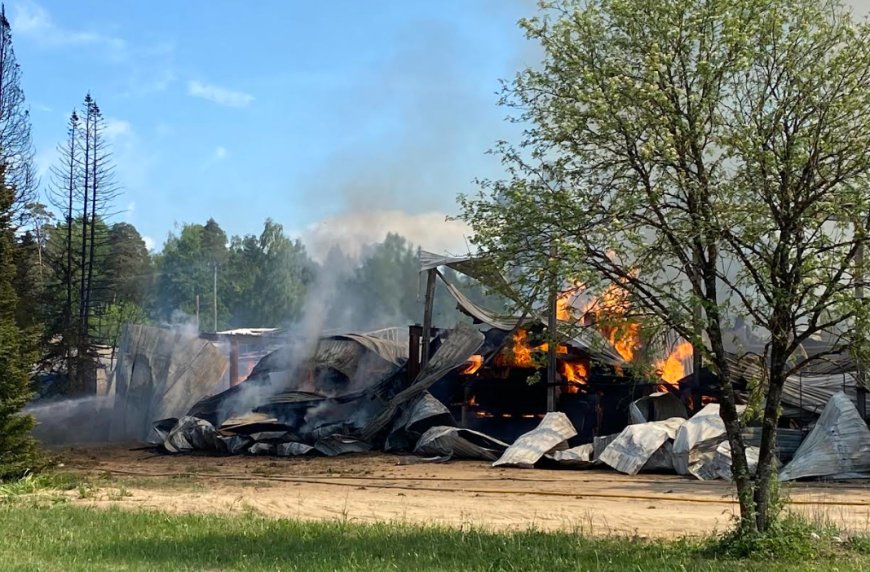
(340,120)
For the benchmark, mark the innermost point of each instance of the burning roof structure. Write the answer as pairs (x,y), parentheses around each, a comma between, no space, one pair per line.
(474,391)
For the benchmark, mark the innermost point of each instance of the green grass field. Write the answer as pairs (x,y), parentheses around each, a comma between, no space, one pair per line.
(57,536)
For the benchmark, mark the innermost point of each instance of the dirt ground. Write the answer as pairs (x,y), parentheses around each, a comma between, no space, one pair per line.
(379,487)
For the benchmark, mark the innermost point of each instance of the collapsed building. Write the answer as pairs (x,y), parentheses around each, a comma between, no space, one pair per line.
(491,390)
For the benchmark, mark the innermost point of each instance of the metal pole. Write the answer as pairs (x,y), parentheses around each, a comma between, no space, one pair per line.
(197,313)
(427,317)
(234,361)
(214,297)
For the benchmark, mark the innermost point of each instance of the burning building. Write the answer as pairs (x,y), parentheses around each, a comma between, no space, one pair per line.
(507,388)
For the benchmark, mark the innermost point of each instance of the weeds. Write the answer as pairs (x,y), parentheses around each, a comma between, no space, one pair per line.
(791,537)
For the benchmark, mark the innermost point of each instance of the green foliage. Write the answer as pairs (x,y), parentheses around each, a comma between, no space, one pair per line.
(789,538)
(111,319)
(698,156)
(268,278)
(91,539)
(127,268)
(261,281)
(17,450)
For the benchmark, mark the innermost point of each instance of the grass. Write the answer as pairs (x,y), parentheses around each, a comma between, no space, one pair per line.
(64,537)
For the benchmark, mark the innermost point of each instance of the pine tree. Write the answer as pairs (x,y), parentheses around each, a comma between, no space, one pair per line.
(16,146)
(17,448)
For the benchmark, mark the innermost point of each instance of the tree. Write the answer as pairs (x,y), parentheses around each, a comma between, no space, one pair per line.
(16,147)
(127,265)
(82,189)
(187,272)
(696,156)
(282,276)
(17,448)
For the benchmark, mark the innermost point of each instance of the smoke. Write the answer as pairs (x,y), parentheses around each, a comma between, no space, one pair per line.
(68,421)
(352,231)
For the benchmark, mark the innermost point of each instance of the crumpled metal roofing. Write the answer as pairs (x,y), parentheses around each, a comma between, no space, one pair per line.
(554,429)
(838,446)
(636,444)
(459,443)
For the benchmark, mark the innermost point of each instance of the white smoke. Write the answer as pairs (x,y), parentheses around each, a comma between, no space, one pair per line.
(352,232)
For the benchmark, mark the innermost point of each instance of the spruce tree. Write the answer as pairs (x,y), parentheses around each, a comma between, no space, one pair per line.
(17,448)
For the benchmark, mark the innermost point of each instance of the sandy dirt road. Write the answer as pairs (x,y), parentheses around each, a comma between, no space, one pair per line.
(379,487)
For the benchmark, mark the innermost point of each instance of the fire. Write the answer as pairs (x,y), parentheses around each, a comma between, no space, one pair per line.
(565,311)
(575,373)
(610,310)
(520,354)
(625,339)
(671,368)
(475,362)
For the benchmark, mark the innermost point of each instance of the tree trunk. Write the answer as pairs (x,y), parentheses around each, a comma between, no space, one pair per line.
(728,406)
(83,333)
(765,472)
(93,166)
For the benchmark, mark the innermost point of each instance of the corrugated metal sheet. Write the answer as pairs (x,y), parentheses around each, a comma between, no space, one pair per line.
(459,443)
(838,445)
(554,429)
(634,446)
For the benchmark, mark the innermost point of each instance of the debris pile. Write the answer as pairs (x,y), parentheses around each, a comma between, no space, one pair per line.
(350,395)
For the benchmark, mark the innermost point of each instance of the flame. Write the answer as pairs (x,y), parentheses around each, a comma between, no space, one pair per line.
(475,362)
(671,367)
(611,309)
(520,355)
(575,373)
(565,311)
(472,401)
(625,339)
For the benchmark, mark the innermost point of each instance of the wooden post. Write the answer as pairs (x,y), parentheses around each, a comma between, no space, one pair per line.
(234,361)
(553,327)
(427,317)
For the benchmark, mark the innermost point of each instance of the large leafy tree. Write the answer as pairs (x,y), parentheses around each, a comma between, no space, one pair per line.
(698,155)
(16,356)
(128,265)
(186,271)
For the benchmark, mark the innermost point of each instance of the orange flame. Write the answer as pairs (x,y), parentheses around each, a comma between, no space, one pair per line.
(671,368)
(565,311)
(475,362)
(622,334)
(521,353)
(575,374)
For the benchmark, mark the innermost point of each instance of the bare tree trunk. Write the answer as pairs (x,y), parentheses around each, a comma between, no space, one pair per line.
(68,277)
(83,332)
(93,167)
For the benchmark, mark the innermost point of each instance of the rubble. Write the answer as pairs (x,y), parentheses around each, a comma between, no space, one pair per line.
(555,429)
(160,373)
(637,444)
(837,447)
(455,442)
(351,393)
(657,407)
